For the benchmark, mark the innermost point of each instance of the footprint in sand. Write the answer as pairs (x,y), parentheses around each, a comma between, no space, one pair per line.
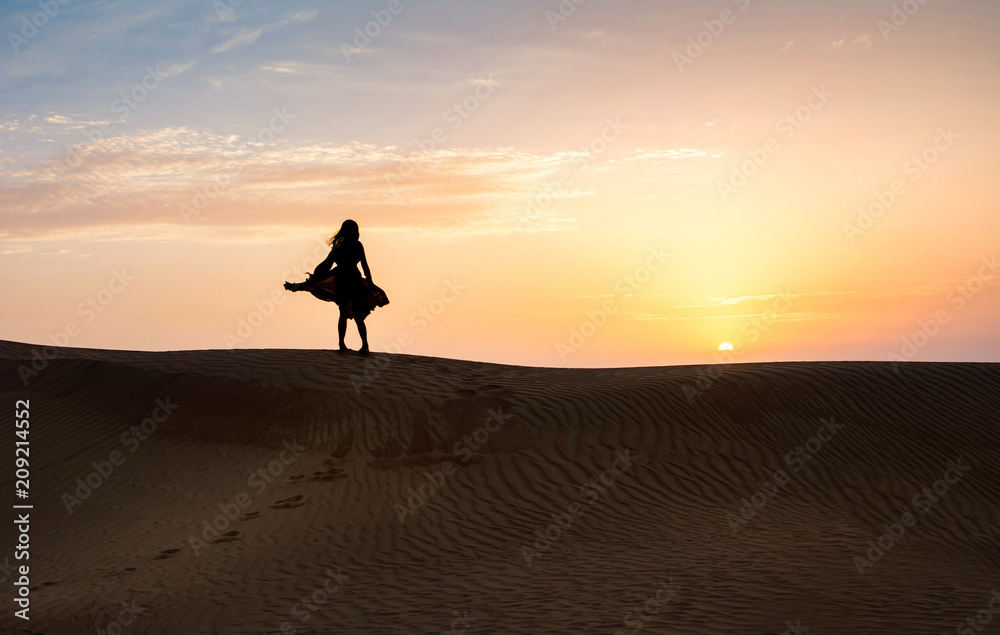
(166,553)
(35,588)
(115,572)
(250,516)
(332,474)
(297,478)
(229,536)
(289,503)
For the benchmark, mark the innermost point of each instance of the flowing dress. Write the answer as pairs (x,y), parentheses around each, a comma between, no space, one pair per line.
(343,284)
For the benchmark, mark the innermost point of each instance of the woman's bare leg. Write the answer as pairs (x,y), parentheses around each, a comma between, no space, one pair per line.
(342,329)
(363,332)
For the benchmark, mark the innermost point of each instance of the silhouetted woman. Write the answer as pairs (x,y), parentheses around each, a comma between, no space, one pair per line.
(356,296)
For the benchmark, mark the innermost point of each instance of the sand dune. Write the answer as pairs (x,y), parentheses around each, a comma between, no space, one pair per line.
(401,494)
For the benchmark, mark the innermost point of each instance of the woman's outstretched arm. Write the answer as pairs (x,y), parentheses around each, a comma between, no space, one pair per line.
(324,267)
(364,263)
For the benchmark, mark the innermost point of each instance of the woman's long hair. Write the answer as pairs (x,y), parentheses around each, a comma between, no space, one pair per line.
(349,232)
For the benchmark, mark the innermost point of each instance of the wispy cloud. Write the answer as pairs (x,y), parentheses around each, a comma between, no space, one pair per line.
(244,38)
(301,16)
(172,70)
(863,41)
(281,69)
(658,155)
(143,178)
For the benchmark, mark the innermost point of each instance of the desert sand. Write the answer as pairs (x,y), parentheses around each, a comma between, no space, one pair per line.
(403,494)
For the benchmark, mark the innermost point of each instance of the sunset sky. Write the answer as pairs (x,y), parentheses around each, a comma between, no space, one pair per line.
(596,184)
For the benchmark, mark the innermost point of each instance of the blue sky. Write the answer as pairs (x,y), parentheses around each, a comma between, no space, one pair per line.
(597,99)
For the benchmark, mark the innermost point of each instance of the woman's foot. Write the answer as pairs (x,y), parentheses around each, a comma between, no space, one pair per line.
(343,348)
(364,350)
